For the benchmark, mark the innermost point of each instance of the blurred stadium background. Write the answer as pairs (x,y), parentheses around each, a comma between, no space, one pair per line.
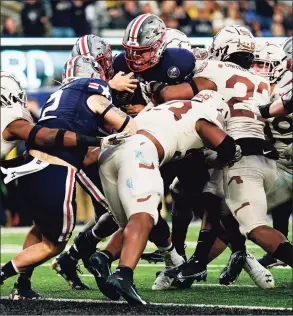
(37,37)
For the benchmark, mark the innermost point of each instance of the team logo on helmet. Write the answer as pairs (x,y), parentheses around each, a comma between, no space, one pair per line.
(173,72)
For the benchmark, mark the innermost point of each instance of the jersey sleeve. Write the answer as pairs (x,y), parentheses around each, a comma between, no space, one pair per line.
(100,87)
(11,114)
(208,69)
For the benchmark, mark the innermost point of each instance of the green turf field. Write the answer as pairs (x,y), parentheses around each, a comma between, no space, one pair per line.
(243,293)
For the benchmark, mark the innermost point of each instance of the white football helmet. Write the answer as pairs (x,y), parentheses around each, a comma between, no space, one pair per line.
(269,61)
(235,44)
(177,39)
(11,92)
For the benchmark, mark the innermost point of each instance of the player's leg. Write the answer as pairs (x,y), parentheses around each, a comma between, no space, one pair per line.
(50,194)
(140,189)
(279,200)
(22,288)
(245,185)
(85,243)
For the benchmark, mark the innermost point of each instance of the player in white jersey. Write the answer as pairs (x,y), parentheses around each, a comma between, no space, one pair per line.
(176,39)
(247,181)
(131,178)
(271,61)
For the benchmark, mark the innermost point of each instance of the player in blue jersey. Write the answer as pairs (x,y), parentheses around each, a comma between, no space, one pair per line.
(47,179)
(148,56)
(102,225)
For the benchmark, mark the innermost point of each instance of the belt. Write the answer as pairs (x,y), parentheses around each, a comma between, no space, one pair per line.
(246,113)
(52,160)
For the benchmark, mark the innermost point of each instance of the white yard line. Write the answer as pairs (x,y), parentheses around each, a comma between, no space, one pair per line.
(168,304)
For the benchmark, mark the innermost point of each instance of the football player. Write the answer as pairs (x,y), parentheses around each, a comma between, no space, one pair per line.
(47,179)
(271,61)
(17,126)
(148,56)
(232,53)
(131,177)
(102,225)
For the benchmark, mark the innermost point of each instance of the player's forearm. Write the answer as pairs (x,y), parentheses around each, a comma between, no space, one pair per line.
(179,92)
(280,107)
(59,138)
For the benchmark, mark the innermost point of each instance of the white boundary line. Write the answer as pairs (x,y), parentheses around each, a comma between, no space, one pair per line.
(165,304)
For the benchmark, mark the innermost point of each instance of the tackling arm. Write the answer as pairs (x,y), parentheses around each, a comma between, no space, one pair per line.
(183,91)
(43,136)
(280,107)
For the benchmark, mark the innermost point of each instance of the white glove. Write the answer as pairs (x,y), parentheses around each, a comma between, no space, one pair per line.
(115,139)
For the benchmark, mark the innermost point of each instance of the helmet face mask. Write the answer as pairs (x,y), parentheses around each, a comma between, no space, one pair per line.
(144,42)
(96,47)
(269,61)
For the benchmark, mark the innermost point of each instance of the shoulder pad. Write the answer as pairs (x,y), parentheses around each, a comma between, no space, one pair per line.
(179,63)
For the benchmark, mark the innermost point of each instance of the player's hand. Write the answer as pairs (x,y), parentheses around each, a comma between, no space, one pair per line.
(92,156)
(133,110)
(122,82)
(115,139)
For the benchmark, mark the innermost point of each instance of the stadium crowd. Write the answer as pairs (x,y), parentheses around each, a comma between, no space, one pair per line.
(69,18)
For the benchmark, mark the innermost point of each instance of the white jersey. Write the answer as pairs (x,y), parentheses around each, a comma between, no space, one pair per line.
(173,123)
(8,115)
(237,85)
(281,127)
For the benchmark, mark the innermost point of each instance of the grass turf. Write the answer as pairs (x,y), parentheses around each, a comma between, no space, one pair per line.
(243,293)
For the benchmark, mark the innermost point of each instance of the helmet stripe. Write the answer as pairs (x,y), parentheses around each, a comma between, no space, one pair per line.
(136,26)
(83,45)
(70,66)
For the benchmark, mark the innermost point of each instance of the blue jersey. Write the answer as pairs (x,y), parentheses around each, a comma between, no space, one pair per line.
(176,65)
(67,108)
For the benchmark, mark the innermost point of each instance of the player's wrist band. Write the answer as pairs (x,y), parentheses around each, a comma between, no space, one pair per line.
(82,140)
(157,88)
(265,110)
(193,86)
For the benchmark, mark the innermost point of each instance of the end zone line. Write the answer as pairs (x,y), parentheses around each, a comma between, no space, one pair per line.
(165,304)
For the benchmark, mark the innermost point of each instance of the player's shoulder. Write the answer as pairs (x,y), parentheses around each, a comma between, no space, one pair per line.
(178,63)
(119,63)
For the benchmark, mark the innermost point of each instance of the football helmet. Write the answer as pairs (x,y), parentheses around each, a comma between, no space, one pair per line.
(11,91)
(98,48)
(269,61)
(84,67)
(288,47)
(235,44)
(176,39)
(144,42)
